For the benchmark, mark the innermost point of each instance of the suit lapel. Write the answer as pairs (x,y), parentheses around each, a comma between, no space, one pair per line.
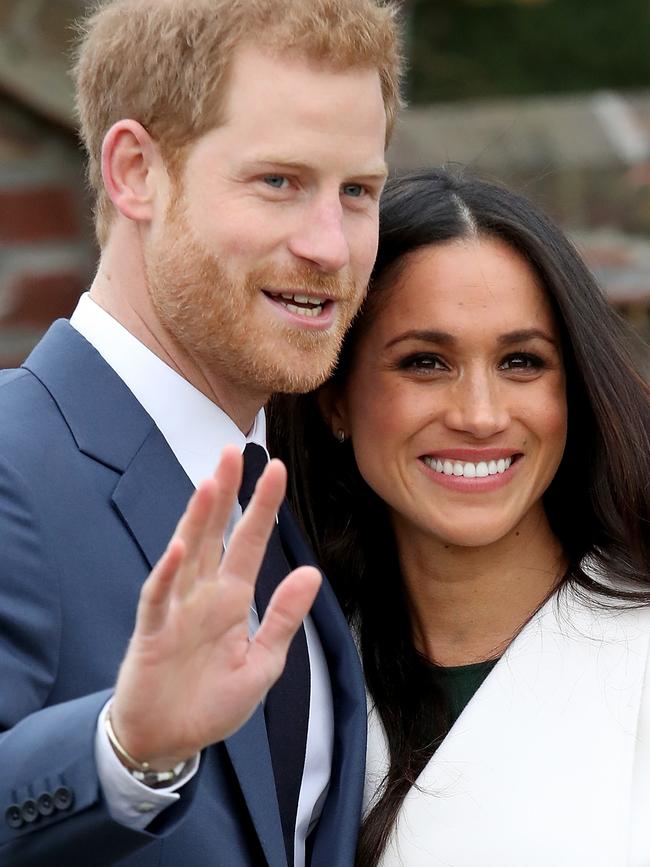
(152,495)
(338,826)
(249,753)
(110,426)
(106,421)
(540,763)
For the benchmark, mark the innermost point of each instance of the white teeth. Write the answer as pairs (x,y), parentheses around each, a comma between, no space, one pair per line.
(304,311)
(467,469)
(303,299)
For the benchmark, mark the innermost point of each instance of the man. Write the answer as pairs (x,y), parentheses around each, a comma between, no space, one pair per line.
(236,153)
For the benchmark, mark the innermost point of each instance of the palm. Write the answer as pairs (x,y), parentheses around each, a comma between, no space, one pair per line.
(192,676)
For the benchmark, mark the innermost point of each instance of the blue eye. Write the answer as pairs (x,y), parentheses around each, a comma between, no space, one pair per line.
(275,181)
(355,191)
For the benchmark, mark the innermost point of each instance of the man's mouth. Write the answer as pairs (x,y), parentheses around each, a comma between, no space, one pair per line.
(310,306)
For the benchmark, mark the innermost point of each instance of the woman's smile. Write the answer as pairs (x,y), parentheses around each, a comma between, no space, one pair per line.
(486,471)
(455,402)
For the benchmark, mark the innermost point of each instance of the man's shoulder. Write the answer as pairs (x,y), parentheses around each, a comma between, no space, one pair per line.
(21,393)
(32,429)
(12,380)
(31,423)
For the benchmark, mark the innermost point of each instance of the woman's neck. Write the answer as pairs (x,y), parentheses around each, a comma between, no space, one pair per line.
(467,604)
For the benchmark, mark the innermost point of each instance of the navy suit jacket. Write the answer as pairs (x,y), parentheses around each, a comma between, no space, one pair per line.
(90,494)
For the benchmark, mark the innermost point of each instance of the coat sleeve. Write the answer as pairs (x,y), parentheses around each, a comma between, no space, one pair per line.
(51,806)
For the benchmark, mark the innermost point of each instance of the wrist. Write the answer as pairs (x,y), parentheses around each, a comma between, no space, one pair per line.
(153,773)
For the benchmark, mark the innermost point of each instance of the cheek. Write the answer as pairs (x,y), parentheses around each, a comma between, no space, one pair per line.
(551,415)
(230,230)
(381,425)
(363,242)
(239,239)
(371,427)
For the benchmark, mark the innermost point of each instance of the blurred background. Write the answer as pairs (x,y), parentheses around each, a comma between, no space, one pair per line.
(550,96)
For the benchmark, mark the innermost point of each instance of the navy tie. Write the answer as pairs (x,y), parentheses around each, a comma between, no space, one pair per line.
(286,709)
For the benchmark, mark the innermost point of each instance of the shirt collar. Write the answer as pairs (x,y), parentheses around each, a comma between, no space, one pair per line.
(195,428)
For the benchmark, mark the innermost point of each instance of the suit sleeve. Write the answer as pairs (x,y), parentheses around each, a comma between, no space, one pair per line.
(52,810)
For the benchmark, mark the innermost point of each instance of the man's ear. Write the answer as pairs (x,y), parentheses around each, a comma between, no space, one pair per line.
(331,403)
(130,168)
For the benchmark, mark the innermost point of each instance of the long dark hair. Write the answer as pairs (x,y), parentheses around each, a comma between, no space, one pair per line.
(597,505)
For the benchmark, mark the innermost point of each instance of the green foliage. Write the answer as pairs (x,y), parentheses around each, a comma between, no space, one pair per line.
(485,48)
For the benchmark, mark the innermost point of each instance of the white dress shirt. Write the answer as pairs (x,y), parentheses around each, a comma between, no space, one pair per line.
(196,430)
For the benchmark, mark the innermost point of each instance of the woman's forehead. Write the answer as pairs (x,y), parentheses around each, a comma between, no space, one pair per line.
(460,284)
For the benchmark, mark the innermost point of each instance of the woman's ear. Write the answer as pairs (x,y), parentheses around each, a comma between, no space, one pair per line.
(332,406)
(130,161)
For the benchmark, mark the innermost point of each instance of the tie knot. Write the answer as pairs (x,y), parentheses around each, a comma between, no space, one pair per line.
(255,460)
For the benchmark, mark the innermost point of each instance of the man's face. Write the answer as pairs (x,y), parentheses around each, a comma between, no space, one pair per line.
(264,253)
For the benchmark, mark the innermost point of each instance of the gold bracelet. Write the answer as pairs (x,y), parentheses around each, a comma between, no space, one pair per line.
(141,771)
(119,749)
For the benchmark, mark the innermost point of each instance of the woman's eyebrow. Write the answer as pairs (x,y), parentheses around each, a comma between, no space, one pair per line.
(444,338)
(426,335)
(523,334)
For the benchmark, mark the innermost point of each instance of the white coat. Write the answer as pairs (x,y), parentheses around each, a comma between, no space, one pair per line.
(549,763)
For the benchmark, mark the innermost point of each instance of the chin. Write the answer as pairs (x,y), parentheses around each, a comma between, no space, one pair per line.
(300,381)
(472,536)
(302,373)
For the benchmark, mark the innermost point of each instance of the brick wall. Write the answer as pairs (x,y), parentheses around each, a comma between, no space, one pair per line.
(47,252)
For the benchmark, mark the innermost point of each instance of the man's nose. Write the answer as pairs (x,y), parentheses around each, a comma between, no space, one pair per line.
(477,406)
(321,239)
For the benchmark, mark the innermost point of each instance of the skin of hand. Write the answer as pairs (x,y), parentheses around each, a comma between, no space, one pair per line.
(192,675)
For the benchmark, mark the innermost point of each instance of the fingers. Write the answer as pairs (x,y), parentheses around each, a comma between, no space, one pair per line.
(155,593)
(286,610)
(228,478)
(197,545)
(202,526)
(245,552)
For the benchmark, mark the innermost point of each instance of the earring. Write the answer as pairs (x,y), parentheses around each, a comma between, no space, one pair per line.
(340,435)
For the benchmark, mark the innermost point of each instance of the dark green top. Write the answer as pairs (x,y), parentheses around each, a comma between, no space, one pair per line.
(460,682)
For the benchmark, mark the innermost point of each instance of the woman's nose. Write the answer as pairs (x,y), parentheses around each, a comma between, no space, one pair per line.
(477,407)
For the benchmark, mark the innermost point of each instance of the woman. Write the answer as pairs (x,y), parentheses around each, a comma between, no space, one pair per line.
(475,481)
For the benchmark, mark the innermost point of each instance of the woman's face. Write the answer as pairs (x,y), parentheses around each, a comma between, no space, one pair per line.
(455,402)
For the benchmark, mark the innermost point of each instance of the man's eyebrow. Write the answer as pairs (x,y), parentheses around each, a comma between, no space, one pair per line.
(377,171)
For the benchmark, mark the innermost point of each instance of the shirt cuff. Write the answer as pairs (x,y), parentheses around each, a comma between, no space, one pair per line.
(129,801)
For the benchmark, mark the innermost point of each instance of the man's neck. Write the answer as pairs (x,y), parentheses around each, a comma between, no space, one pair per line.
(121,291)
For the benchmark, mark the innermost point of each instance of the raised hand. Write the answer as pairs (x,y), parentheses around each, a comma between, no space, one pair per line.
(191,675)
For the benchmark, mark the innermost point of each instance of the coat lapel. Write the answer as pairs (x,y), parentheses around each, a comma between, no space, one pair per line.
(539,766)
(106,421)
(249,753)
(338,826)
(152,495)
